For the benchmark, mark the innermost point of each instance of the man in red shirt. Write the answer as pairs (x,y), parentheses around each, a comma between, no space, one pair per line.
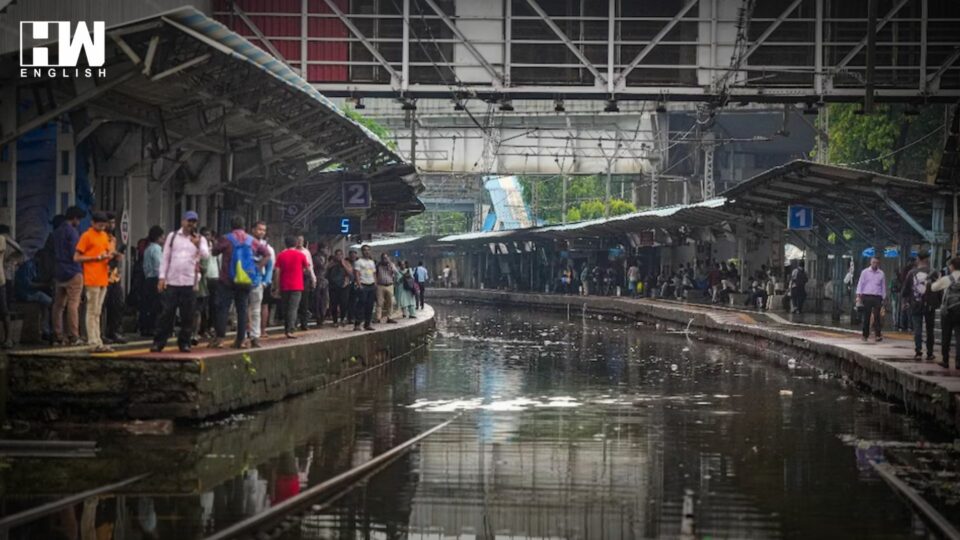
(290,266)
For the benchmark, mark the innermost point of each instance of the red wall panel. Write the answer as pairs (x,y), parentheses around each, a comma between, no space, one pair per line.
(265,15)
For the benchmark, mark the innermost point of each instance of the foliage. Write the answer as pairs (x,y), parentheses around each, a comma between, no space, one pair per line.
(585,196)
(375,127)
(884,141)
(447,222)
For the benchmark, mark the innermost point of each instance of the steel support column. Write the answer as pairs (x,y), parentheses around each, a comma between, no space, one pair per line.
(939,236)
(8,156)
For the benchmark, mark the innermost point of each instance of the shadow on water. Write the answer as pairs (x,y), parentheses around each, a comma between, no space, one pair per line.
(572,429)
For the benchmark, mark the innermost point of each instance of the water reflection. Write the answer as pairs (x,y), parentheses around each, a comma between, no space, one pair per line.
(573,429)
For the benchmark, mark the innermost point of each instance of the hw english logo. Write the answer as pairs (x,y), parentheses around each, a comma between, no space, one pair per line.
(36,48)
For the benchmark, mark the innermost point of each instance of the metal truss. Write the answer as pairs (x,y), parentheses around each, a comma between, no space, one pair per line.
(789,51)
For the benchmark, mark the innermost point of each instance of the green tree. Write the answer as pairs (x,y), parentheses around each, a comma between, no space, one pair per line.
(889,141)
(446,222)
(584,193)
(377,128)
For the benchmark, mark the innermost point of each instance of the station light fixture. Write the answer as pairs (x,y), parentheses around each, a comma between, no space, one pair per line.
(358,103)
(558,106)
(459,106)
(810,109)
(661,106)
(409,105)
(506,105)
(612,106)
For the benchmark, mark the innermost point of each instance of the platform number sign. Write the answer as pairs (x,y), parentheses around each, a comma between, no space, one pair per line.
(356,195)
(799,218)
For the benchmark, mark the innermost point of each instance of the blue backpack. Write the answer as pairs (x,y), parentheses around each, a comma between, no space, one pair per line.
(243,269)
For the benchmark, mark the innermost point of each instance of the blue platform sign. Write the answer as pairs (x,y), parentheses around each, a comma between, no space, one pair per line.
(356,195)
(799,218)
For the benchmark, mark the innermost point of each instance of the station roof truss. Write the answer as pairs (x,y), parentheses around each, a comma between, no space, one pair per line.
(200,89)
(879,209)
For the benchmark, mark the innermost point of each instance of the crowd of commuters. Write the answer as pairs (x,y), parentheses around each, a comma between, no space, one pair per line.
(198,283)
(714,281)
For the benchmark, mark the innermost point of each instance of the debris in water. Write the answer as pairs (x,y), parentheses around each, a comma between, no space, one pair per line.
(674,367)
(792,363)
(786,392)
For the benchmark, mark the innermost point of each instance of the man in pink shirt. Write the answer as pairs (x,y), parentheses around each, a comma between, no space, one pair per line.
(871,291)
(290,266)
(182,251)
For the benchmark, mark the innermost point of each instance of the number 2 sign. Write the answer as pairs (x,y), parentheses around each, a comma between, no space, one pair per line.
(356,195)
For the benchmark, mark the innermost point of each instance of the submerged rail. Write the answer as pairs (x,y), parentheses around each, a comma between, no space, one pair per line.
(927,511)
(300,501)
(37,512)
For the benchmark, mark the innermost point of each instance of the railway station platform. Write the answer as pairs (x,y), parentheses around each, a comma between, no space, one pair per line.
(886,368)
(133,383)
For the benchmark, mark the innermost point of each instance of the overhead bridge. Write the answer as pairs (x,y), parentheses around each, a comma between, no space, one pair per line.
(675,50)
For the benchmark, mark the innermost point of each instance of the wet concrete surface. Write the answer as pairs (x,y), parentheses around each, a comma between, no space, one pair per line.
(569,429)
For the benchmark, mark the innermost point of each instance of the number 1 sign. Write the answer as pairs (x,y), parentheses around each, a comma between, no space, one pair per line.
(799,218)
(356,195)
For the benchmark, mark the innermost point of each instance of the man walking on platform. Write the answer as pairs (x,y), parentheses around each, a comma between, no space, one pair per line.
(871,292)
(921,303)
(182,251)
(237,274)
(93,252)
(421,276)
(68,276)
(949,312)
(365,288)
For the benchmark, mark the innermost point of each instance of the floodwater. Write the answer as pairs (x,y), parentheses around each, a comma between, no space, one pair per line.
(578,429)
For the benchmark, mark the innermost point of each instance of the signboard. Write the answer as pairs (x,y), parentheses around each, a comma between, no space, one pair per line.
(344,225)
(356,195)
(125,227)
(799,218)
(384,221)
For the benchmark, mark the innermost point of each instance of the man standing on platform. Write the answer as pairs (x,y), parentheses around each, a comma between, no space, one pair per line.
(365,288)
(113,303)
(93,252)
(262,282)
(291,269)
(385,274)
(310,282)
(421,275)
(871,292)
(182,251)
(921,303)
(68,277)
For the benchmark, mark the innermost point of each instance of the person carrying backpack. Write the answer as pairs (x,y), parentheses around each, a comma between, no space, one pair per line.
(920,303)
(949,310)
(238,274)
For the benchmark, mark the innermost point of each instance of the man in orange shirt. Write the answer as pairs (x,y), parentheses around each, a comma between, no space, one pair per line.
(94,251)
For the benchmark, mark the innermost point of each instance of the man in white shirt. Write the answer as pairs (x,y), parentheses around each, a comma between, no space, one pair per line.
(365,280)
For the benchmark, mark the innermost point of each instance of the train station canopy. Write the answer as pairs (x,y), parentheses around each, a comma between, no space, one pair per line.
(879,209)
(199,88)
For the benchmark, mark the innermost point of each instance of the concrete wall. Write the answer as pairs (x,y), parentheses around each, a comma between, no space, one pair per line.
(58,385)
